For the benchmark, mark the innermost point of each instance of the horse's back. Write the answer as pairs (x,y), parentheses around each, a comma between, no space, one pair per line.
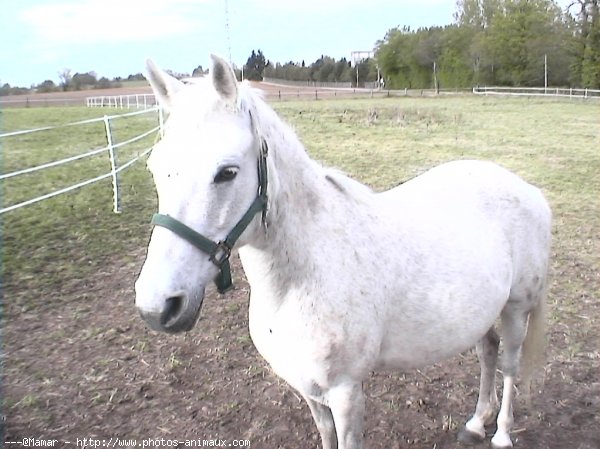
(459,180)
(472,188)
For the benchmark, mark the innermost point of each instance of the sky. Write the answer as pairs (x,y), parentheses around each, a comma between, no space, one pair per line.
(40,38)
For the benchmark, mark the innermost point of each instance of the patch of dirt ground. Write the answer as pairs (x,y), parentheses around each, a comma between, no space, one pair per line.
(91,369)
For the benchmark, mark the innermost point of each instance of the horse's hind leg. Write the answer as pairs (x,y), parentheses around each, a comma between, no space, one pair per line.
(514,330)
(485,411)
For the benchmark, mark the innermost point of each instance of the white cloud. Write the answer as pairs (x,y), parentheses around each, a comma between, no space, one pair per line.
(109,21)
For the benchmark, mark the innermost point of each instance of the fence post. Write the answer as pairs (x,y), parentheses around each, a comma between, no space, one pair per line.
(113,166)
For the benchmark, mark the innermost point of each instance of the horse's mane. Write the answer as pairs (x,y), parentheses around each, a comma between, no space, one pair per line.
(273,127)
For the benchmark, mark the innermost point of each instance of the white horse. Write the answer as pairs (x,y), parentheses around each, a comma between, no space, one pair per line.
(343,280)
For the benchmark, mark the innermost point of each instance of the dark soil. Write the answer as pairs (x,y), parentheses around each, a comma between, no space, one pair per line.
(91,369)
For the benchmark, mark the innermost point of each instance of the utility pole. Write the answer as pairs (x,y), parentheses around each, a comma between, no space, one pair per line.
(545,73)
(227,31)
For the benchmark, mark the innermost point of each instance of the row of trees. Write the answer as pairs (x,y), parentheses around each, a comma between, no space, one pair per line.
(498,42)
(83,81)
(324,69)
(69,82)
(492,42)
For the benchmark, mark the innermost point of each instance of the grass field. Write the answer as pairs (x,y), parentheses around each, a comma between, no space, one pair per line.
(76,351)
(81,221)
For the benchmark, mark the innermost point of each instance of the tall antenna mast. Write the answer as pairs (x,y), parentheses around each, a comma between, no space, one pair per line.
(227,31)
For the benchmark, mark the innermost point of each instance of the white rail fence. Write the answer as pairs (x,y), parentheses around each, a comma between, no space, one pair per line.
(539,92)
(137,101)
(110,148)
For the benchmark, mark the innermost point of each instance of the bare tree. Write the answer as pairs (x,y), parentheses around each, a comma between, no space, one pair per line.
(65,78)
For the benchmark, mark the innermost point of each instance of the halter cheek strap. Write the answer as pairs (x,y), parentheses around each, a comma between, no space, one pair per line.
(219,252)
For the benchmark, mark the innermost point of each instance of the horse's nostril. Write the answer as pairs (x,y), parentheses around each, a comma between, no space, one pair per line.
(172,310)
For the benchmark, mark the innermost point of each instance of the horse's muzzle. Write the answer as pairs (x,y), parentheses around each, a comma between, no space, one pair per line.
(179,314)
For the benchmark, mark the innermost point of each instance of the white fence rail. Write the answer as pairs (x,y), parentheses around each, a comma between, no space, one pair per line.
(110,148)
(538,92)
(137,101)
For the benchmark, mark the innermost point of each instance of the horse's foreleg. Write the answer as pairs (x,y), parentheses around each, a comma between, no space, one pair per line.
(485,411)
(324,421)
(347,404)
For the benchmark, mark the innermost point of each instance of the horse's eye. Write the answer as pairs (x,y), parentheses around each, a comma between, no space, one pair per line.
(226,174)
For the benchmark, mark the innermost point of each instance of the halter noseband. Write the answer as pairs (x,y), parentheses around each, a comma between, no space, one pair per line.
(219,252)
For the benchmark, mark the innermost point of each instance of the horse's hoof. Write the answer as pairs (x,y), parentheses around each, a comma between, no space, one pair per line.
(495,446)
(466,436)
(501,441)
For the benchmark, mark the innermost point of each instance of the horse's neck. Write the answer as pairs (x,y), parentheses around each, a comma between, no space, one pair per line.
(297,206)
(295,180)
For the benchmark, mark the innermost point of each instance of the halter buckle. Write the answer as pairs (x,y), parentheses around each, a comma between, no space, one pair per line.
(220,254)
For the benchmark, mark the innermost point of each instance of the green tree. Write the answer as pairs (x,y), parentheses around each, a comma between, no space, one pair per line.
(255,66)
(395,56)
(342,71)
(323,69)
(520,36)
(407,58)
(105,83)
(136,77)
(199,71)
(474,18)
(46,86)
(477,14)
(83,81)
(590,65)
(585,23)
(458,63)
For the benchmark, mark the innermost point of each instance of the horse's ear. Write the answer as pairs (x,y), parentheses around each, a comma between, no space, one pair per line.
(223,78)
(163,84)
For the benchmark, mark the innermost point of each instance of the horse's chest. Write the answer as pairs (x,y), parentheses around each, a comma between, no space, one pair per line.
(291,346)
(304,348)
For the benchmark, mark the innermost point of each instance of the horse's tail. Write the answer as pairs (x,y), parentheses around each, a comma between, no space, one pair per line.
(533,352)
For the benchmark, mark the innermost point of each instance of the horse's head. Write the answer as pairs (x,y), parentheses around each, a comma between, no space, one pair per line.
(205,171)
